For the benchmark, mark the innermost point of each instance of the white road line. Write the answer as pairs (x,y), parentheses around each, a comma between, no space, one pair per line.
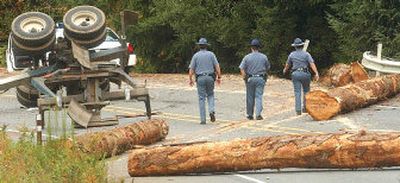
(390,107)
(249,178)
(348,123)
(17,131)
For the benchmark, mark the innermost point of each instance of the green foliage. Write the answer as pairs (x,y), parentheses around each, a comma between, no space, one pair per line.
(58,160)
(3,48)
(165,37)
(362,24)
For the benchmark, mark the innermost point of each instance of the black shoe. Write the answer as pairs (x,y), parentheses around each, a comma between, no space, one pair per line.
(259,118)
(212,116)
(304,110)
(250,117)
(203,123)
(298,112)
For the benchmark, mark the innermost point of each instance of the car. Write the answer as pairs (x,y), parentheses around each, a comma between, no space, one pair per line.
(16,61)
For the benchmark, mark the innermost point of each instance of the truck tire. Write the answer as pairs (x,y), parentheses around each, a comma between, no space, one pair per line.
(89,43)
(27,96)
(33,29)
(28,103)
(21,49)
(84,23)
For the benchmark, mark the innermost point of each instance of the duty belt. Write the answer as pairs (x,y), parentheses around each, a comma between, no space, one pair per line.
(301,69)
(256,75)
(205,74)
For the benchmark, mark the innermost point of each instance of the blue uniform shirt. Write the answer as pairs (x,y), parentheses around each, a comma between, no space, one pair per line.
(203,62)
(255,63)
(299,59)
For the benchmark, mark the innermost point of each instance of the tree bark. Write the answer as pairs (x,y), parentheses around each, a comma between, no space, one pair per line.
(340,150)
(342,74)
(119,140)
(324,104)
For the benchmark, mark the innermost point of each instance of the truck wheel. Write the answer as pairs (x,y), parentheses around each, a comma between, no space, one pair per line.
(28,103)
(89,43)
(84,23)
(28,92)
(27,96)
(33,29)
(21,49)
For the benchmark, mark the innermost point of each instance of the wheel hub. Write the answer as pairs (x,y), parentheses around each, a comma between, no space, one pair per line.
(33,25)
(84,19)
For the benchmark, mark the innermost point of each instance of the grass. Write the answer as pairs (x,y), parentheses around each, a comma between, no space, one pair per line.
(3,48)
(57,160)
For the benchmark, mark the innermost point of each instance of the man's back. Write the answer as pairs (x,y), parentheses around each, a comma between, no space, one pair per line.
(203,62)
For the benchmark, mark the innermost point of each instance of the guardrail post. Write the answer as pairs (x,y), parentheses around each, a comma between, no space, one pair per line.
(379,56)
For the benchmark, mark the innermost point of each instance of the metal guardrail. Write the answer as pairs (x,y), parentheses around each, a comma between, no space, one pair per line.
(379,64)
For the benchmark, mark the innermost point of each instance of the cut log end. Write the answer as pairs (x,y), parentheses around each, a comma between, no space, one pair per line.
(358,72)
(321,106)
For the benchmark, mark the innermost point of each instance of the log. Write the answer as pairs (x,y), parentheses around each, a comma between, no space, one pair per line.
(343,74)
(324,104)
(121,139)
(337,150)
(358,73)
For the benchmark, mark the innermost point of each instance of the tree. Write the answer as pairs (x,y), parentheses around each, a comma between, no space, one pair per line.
(360,25)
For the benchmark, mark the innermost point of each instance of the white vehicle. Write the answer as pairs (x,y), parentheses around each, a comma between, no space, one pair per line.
(17,61)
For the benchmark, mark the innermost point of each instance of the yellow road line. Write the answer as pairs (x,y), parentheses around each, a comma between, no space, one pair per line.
(233,125)
(270,130)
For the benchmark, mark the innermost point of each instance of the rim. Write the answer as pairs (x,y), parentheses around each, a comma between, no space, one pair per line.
(84,18)
(33,25)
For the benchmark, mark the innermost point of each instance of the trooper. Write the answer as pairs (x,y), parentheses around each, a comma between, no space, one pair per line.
(300,62)
(254,68)
(204,65)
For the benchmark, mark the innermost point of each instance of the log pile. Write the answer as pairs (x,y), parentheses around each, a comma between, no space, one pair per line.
(340,150)
(119,140)
(324,104)
(343,74)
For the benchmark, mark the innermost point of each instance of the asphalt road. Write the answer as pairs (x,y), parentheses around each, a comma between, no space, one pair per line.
(178,105)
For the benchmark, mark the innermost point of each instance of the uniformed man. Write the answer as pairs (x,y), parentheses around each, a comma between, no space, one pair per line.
(253,69)
(300,61)
(205,66)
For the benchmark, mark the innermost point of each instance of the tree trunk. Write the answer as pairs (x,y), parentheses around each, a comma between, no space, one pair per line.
(342,74)
(340,150)
(324,104)
(119,140)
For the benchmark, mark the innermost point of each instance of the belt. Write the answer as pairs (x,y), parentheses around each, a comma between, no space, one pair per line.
(302,69)
(256,75)
(205,74)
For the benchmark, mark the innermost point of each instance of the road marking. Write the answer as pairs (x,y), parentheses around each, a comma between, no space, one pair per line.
(287,119)
(251,179)
(21,132)
(348,123)
(270,130)
(226,126)
(389,107)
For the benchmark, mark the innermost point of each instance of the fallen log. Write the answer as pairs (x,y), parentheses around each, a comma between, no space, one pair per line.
(358,73)
(343,74)
(324,104)
(119,140)
(339,150)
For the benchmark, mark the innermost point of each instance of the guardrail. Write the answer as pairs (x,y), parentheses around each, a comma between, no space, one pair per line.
(379,64)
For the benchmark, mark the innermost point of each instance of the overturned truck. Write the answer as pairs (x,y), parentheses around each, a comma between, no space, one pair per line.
(73,62)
